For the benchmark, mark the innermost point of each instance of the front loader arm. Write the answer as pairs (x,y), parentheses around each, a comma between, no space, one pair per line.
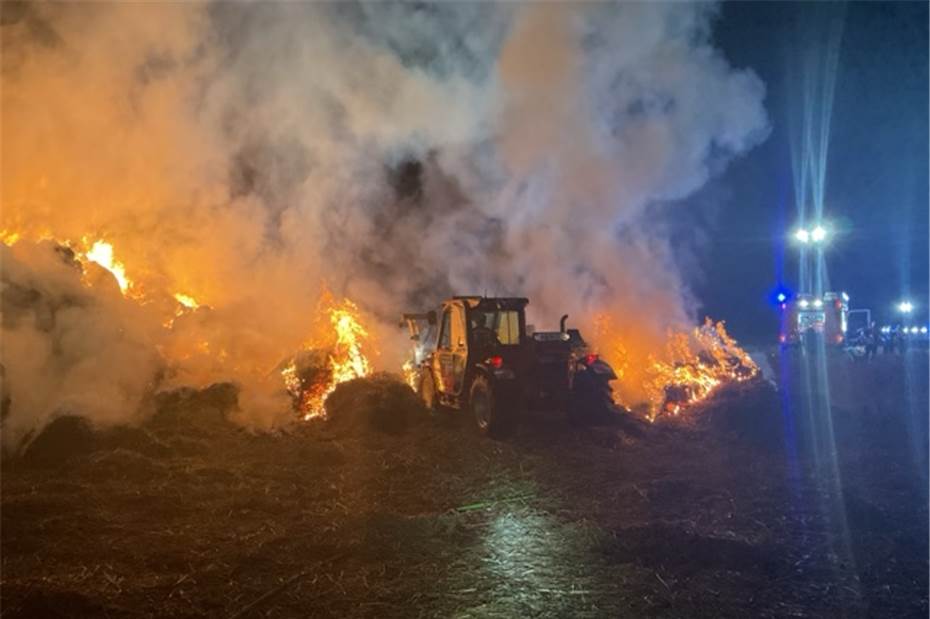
(413,322)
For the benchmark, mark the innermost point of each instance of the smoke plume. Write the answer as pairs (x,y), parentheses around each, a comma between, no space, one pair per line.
(253,155)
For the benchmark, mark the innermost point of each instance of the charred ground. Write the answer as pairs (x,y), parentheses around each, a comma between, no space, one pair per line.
(764,506)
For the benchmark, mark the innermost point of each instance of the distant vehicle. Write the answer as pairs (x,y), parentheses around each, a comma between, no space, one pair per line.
(900,337)
(474,353)
(808,318)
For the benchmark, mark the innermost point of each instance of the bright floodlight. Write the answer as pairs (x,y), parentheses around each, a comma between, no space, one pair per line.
(923,330)
(818,234)
(818,303)
(803,303)
(905,307)
(802,235)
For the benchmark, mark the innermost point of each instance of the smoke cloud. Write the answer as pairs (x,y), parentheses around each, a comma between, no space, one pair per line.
(252,155)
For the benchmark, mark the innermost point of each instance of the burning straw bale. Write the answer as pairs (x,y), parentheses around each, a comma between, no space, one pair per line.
(382,402)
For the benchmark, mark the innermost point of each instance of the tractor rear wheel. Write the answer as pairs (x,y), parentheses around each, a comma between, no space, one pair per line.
(485,407)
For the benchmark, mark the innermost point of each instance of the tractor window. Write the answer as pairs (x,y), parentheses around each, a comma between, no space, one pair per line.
(508,328)
(503,324)
(445,337)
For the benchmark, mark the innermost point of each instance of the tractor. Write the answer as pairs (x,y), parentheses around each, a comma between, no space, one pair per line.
(477,354)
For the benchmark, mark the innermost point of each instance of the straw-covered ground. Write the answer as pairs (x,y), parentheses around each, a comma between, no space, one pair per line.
(767,505)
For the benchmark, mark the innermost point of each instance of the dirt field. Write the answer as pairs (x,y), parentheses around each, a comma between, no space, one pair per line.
(770,505)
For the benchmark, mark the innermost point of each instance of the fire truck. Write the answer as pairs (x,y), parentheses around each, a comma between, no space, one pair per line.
(809,318)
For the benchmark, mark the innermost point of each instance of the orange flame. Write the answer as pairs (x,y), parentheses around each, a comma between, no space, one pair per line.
(186,300)
(346,360)
(101,253)
(700,362)
(695,363)
(104,254)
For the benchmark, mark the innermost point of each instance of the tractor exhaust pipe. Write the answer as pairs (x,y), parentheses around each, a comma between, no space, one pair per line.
(562,323)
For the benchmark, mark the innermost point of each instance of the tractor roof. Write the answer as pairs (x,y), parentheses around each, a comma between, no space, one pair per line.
(476,301)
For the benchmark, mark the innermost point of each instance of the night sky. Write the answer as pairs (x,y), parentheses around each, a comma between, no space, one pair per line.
(876,193)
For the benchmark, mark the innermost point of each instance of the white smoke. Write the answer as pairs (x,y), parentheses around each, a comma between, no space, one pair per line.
(71,342)
(248,154)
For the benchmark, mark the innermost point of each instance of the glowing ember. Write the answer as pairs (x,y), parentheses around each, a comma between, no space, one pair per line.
(101,252)
(186,303)
(700,362)
(345,361)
